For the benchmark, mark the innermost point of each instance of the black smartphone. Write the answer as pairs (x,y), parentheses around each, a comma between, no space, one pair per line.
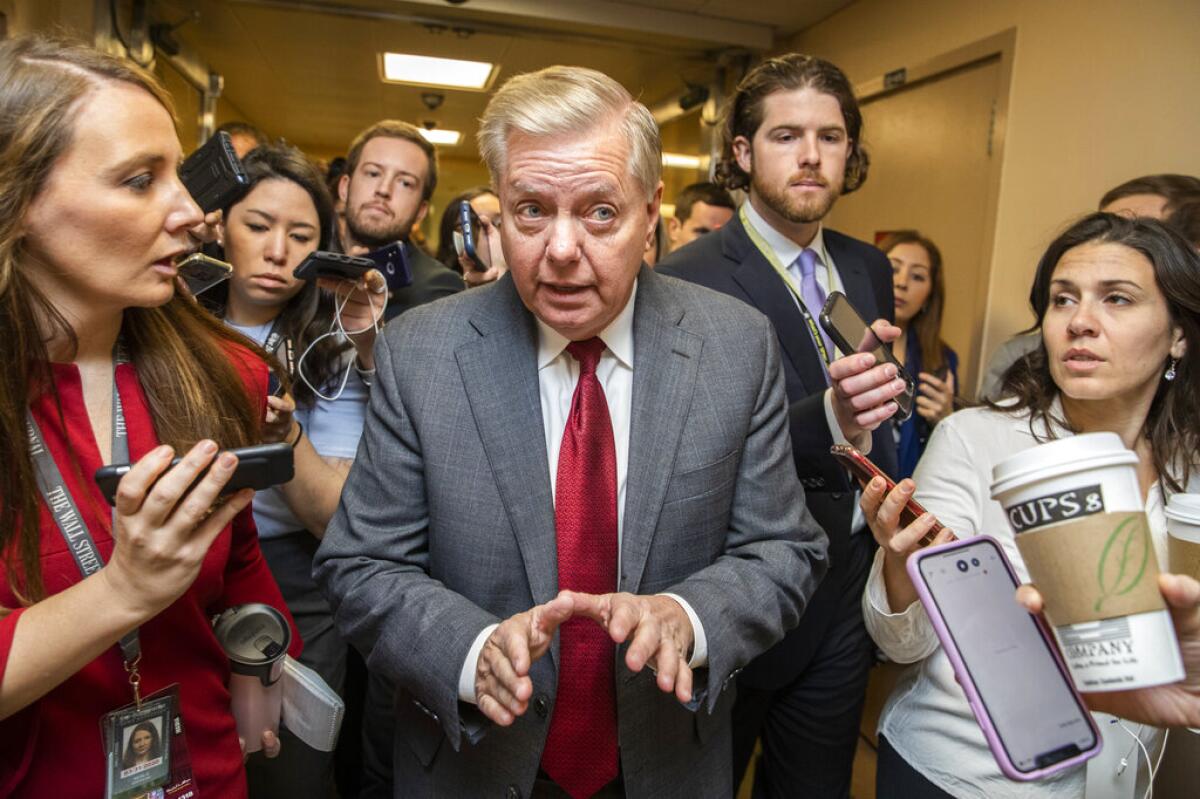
(471,238)
(393,263)
(201,273)
(213,174)
(259,467)
(335,265)
(851,333)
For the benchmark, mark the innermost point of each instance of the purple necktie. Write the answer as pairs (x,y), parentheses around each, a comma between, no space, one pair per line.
(811,292)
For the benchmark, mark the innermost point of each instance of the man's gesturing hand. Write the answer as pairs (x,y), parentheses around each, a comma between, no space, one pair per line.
(502,684)
(661,631)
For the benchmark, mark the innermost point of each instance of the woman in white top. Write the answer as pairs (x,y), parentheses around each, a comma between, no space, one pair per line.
(1118,302)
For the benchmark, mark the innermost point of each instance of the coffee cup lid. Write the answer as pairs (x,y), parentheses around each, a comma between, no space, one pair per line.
(1064,456)
(1184,508)
(253,635)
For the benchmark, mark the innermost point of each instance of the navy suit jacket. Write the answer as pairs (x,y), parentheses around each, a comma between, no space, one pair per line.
(728,261)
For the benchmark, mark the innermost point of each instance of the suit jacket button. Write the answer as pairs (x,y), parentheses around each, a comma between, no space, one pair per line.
(513,792)
(836,495)
(540,707)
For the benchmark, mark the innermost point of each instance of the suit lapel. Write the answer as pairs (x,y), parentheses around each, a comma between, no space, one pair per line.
(771,296)
(499,373)
(665,364)
(854,276)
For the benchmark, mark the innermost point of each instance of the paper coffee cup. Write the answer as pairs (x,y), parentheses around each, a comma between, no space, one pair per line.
(1076,510)
(1183,534)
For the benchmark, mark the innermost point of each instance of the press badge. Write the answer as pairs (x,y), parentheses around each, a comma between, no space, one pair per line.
(145,750)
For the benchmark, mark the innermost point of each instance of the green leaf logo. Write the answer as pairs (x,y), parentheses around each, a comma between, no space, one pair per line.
(1124,559)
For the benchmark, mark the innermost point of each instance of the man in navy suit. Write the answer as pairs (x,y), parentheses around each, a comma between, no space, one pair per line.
(793,140)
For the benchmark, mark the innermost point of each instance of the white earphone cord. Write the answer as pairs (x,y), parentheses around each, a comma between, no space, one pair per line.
(337,329)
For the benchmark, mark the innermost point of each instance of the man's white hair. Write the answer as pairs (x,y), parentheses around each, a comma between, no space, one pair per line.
(558,101)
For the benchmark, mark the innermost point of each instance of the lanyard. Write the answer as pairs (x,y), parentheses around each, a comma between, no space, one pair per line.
(769,254)
(66,513)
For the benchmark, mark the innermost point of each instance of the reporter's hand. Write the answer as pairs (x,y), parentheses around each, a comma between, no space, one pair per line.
(935,398)
(1173,705)
(279,423)
(862,389)
(163,531)
(882,514)
(498,266)
(475,278)
(362,302)
(662,635)
(209,230)
(271,745)
(502,683)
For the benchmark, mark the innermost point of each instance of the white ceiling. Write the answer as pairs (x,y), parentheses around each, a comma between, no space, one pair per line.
(307,69)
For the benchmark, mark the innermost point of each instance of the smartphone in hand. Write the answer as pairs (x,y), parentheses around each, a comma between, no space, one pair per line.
(214,175)
(201,273)
(1005,659)
(865,471)
(852,334)
(258,467)
(335,265)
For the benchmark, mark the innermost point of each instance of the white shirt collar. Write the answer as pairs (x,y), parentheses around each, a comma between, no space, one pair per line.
(786,250)
(618,337)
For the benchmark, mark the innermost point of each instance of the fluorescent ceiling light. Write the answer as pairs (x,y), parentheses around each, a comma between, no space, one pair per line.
(447,138)
(429,71)
(681,161)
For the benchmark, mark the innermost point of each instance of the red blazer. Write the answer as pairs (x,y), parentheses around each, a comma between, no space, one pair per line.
(54,747)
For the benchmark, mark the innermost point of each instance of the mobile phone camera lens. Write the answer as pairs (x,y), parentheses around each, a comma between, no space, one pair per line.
(962,566)
(975,562)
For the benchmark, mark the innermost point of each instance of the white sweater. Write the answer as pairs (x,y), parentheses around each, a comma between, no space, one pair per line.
(927,718)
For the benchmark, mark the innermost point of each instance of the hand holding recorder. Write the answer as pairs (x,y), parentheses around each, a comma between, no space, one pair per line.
(166,518)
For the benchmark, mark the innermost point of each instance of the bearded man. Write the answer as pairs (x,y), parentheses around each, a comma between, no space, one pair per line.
(793,140)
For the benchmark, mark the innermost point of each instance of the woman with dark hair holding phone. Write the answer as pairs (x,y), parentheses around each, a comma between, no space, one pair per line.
(104,362)
(1118,304)
(920,293)
(322,337)
(144,746)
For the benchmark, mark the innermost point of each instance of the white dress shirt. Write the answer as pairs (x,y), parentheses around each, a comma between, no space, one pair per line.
(558,373)
(787,251)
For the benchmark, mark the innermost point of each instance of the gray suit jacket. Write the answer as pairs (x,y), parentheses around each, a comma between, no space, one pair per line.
(446,525)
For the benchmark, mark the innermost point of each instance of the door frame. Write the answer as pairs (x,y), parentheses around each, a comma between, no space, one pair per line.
(1001,45)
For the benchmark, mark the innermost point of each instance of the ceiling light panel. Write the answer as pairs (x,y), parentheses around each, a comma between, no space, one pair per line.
(447,73)
(444,138)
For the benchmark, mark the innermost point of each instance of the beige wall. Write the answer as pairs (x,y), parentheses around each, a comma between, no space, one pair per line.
(66,16)
(1102,91)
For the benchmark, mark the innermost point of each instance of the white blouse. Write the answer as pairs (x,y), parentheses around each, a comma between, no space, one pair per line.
(927,718)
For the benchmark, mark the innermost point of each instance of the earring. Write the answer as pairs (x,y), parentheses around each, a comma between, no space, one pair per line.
(1169,375)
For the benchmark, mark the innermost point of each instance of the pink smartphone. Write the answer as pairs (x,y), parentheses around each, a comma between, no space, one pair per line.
(1005,659)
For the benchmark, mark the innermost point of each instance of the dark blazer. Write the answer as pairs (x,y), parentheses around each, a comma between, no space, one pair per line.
(431,281)
(728,261)
(446,525)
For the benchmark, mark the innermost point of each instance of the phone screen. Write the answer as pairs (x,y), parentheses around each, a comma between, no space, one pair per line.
(1033,706)
(849,325)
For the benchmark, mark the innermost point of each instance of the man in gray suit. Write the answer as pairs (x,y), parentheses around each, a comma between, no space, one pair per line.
(568,476)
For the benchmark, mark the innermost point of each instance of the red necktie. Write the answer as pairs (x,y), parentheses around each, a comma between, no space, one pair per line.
(581,749)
